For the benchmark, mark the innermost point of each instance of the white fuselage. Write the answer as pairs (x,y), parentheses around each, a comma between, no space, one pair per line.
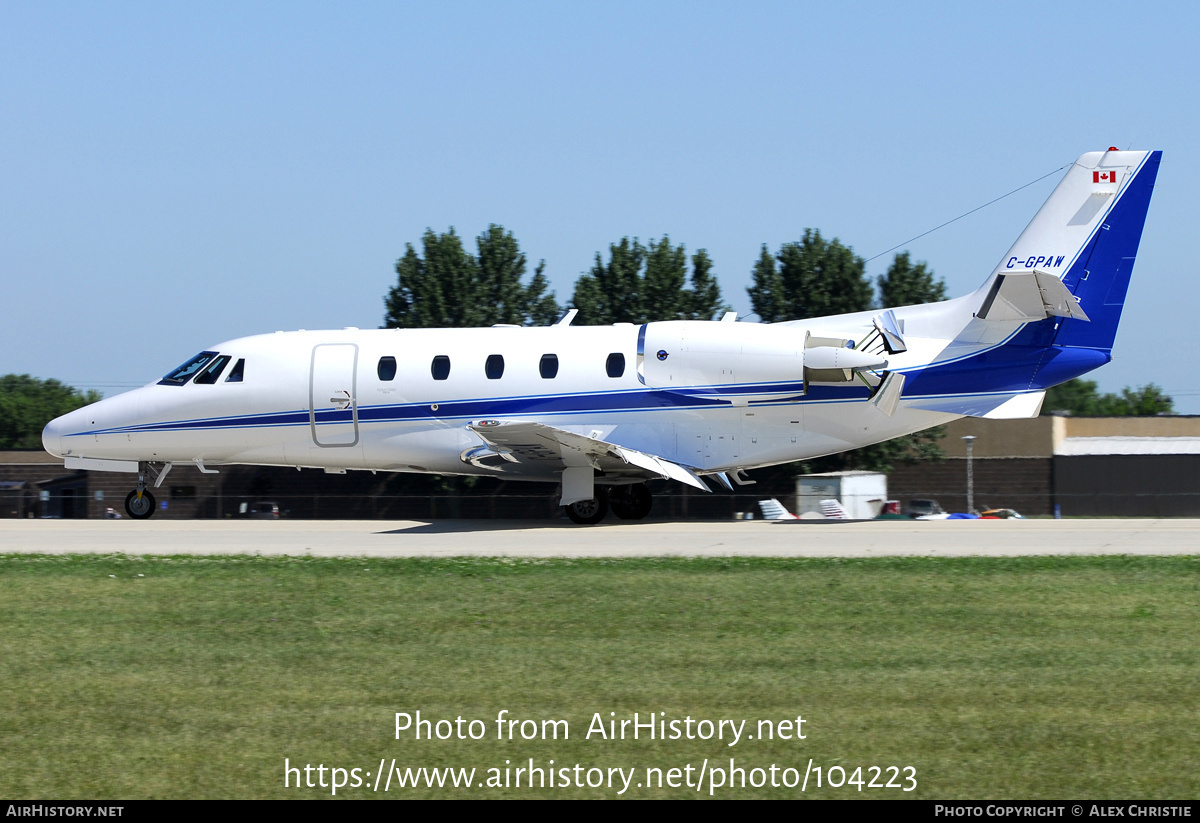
(283,412)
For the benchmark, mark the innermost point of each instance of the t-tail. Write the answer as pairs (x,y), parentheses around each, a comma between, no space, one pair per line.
(1049,311)
(1086,236)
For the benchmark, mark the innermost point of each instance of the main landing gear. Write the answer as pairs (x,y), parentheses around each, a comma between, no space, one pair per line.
(630,502)
(139,503)
(588,512)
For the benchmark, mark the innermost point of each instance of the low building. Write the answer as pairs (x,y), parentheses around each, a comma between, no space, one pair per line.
(1075,466)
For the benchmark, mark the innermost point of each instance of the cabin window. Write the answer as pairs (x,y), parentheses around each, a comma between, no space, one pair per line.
(386,368)
(441,367)
(212,371)
(549,366)
(615,365)
(494,368)
(235,374)
(188,370)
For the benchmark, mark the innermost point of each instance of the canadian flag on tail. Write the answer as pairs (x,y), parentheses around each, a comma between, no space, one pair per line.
(1104,177)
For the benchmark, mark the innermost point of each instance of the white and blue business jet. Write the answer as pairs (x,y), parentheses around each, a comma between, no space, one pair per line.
(601,410)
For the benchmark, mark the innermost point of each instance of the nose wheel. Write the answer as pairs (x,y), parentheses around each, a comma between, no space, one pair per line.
(140,506)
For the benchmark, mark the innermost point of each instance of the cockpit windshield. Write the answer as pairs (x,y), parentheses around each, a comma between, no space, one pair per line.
(212,371)
(185,372)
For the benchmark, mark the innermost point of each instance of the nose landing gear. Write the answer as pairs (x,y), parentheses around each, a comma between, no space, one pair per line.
(139,503)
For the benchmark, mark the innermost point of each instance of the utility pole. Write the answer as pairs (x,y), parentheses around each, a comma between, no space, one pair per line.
(969,439)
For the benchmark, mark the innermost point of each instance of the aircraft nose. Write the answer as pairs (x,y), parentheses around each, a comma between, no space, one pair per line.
(58,431)
(52,437)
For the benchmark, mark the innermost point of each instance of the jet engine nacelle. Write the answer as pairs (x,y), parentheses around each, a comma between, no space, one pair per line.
(689,353)
(681,353)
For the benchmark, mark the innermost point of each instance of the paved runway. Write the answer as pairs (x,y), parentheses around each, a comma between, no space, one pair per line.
(447,538)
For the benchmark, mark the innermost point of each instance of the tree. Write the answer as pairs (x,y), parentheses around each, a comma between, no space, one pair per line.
(662,285)
(28,404)
(501,269)
(449,287)
(706,294)
(1081,398)
(612,292)
(815,277)
(766,295)
(1147,401)
(906,284)
(620,291)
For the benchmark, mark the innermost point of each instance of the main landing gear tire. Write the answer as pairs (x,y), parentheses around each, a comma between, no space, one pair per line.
(630,502)
(139,509)
(588,512)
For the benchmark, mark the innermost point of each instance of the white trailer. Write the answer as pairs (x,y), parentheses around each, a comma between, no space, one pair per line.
(862,494)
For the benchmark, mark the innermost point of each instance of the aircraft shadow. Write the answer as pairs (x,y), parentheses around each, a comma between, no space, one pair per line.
(466,526)
(471,526)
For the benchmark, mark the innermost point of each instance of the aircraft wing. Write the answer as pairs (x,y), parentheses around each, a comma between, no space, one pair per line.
(557,449)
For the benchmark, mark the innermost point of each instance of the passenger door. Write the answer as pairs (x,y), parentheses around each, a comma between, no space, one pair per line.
(332,395)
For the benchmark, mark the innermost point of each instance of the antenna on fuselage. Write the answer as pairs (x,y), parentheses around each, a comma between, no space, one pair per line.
(567,317)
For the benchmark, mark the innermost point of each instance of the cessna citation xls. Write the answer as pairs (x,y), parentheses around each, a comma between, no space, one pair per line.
(601,410)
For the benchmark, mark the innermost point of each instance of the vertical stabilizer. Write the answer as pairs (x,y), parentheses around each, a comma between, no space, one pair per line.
(1049,311)
(1087,235)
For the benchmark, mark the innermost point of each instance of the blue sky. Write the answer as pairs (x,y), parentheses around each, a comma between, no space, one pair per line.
(175,175)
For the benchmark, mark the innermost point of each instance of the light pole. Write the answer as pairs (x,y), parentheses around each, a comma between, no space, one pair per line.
(969,439)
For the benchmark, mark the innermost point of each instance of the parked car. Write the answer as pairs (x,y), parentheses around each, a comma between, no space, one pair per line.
(922,508)
(262,510)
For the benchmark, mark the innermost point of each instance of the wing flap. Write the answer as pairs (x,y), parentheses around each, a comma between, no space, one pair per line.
(663,468)
(561,449)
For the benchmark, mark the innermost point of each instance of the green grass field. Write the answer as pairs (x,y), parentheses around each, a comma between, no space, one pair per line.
(124,677)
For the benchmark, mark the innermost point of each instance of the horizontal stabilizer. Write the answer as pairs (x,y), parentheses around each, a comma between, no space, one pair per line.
(1029,296)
